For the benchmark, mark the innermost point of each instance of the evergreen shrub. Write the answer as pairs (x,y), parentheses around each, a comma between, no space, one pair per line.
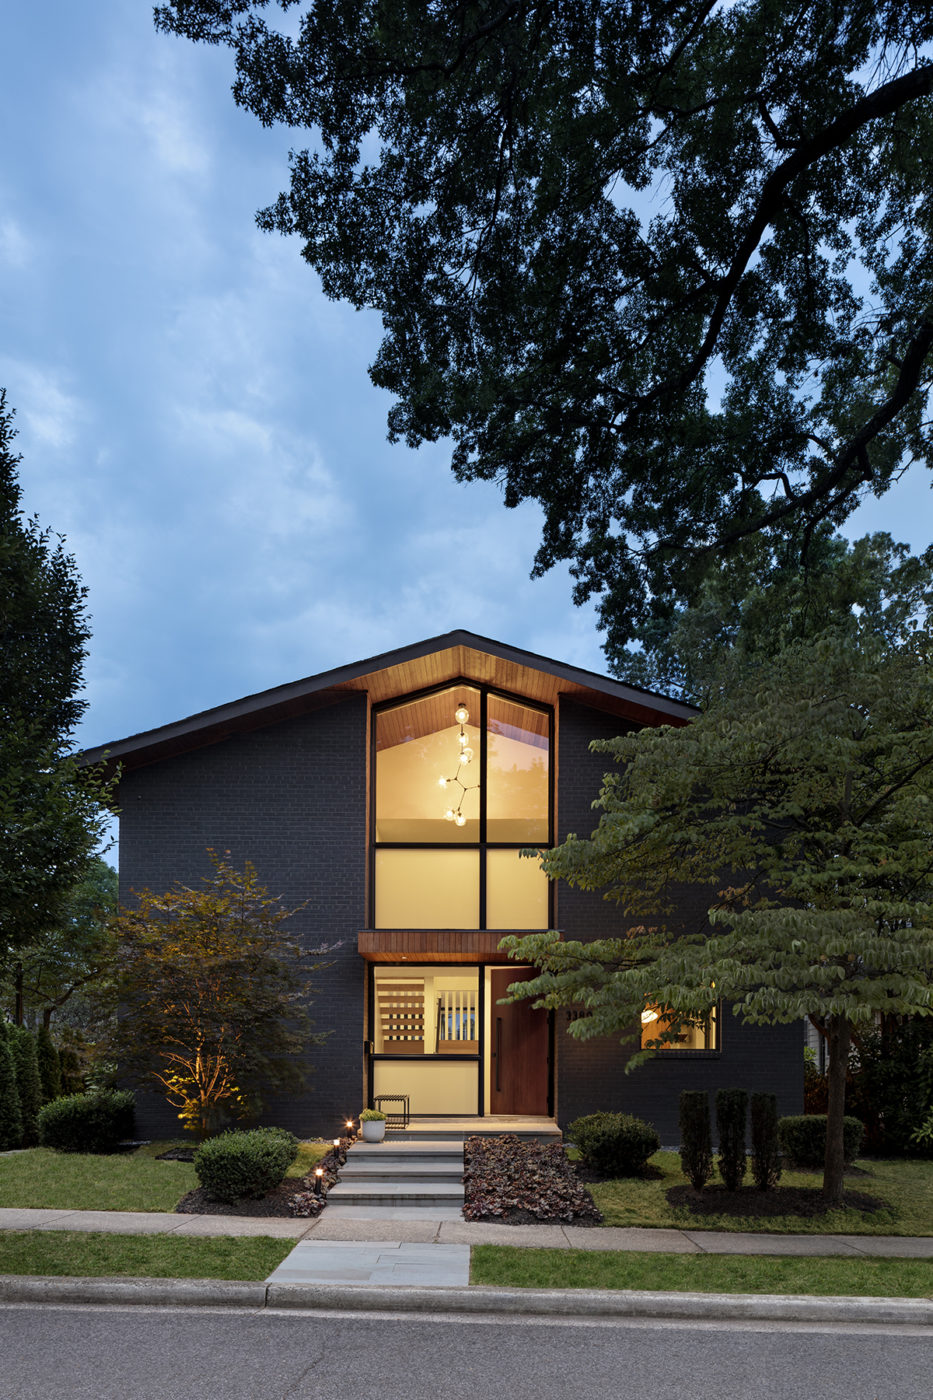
(238,1164)
(11,1120)
(731,1113)
(614,1144)
(23,1045)
(766,1150)
(696,1143)
(96,1122)
(50,1073)
(803,1139)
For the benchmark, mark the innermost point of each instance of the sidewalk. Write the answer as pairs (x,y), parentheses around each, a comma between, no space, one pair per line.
(465,1232)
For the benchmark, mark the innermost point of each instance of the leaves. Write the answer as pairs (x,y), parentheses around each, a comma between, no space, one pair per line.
(504,1176)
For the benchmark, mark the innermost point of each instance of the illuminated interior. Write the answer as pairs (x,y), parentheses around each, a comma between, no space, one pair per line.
(427,1039)
(457,794)
(702,1035)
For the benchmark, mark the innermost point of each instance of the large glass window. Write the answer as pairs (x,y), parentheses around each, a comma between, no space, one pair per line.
(426,1010)
(462,781)
(696,1035)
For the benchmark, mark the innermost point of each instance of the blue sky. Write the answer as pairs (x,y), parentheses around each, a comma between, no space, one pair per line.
(196,418)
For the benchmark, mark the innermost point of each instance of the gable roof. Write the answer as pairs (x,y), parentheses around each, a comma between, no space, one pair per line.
(454,656)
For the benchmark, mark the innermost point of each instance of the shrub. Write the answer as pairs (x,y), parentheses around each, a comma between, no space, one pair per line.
(505,1179)
(372,1115)
(50,1074)
(23,1045)
(766,1163)
(731,1112)
(891,1085)
(696,1143)
(803,1139)
(87,1122)
(11,1120)
(614,1144)
(239,1164)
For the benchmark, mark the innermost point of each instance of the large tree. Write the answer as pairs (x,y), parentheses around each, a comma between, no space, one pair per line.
(51,819)
(803,799)
(210,997)
(664,268)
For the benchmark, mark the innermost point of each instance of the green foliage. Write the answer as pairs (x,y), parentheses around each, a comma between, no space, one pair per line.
(731,1112)
(95,1123)
(802,799)
(50,813)
(891,1084)
(803,1139)
(372,1115)
(614,1144)
(766,1148)
(11,1119)
(239,1164)
(29,1086)
(50,1074)
(212,997)
(696,1142)
(664,269)
(73,1063)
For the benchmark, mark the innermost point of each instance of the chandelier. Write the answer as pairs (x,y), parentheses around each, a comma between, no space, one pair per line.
(464,757)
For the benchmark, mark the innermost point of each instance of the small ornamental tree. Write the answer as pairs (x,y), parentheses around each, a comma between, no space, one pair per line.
(28,1083)
(696,1145)
(731,1111)
(212,997)
(766,1149)
(803,799)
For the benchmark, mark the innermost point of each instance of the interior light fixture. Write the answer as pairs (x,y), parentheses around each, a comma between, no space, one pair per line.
(465,756)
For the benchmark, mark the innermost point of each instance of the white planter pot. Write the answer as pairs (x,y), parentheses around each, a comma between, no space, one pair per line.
(373,1130)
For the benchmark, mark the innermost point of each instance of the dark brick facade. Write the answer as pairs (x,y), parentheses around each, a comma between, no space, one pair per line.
(591,1074)
(291,798)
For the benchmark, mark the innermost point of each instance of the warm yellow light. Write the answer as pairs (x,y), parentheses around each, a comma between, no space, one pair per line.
(318,1171)
(466,756)
(442,782)
(649,1014)
(450,814)
(461,713)
(336,1142)
(460,819)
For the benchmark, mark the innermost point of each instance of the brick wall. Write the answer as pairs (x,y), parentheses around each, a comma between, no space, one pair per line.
(291,798)
(591,1074)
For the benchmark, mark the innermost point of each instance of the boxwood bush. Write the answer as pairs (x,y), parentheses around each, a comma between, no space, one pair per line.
(95,1122)
(614,1144)
(239,1164)
(803,1139)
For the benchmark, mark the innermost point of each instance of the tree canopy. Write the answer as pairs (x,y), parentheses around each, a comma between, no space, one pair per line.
(664,268)
(803,799)
(51,819)
(210,997)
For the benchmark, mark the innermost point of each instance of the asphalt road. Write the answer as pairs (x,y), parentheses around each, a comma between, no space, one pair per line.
(82,1353)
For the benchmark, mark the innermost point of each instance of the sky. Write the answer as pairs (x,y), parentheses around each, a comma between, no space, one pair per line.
(195,417)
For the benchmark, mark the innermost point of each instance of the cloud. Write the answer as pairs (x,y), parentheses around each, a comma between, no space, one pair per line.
(15,248)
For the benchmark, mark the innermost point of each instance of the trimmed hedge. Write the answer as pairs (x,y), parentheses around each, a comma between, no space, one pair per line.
(50,1072)
(731,1113)
(22,1043)
(614,1144)
(238,1164)
(766,1162)
(11,1120)
(696,1141)
(803,1139)
(96,1122)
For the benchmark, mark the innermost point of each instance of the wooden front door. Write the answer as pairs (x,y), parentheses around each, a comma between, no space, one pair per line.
(518,1079)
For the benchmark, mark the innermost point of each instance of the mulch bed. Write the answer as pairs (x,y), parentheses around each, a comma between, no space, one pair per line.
(274,1203)
(805,1201)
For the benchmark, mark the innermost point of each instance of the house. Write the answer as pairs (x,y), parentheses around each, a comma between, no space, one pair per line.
(391,798)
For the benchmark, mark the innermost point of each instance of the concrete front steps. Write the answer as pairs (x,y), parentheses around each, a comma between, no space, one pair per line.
(410,1180)
(439,1129)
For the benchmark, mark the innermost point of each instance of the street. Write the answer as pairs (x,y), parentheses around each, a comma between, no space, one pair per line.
(83,1353)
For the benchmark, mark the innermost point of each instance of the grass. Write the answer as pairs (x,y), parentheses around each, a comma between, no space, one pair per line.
(247,1258)
(43,1179)
(906,1187)
(513,1267)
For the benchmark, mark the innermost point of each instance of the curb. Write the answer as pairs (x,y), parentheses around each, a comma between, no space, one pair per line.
(516,1302)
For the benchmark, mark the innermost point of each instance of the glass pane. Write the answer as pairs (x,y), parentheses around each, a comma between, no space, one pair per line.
(427,889)
(419,775)
(426,1010)
(517,773)
(697,1037)
(516,892)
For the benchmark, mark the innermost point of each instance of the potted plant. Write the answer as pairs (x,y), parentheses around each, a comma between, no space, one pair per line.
(373,1125)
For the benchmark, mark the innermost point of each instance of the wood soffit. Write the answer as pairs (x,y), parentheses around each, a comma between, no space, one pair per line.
(432,945)
(457,656)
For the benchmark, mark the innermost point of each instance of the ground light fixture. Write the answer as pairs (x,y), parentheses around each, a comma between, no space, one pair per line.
(318,1178)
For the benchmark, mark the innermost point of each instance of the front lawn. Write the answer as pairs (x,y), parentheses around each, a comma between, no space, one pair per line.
(905,1187)
(247,1258)
(44,1179)
(509,1266)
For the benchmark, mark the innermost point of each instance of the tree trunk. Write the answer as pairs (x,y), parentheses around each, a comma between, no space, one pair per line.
(18,1007)
(839,1036)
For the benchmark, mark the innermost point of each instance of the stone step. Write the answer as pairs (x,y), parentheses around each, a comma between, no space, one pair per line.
(402,1171)
(395,1193)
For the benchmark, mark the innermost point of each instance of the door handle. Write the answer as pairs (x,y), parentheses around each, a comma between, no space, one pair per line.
(497,1054)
